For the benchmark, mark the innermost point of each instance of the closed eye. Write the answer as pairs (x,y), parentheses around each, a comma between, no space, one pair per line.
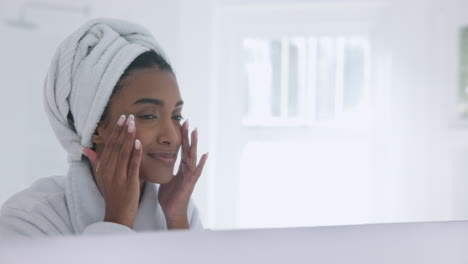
(148,116)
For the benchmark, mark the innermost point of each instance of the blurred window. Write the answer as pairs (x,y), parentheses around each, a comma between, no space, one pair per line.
(305,80)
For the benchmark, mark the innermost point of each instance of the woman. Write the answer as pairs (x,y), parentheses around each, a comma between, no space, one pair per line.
(114,104)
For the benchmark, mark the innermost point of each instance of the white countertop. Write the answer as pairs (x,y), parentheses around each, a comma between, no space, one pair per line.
(436,242)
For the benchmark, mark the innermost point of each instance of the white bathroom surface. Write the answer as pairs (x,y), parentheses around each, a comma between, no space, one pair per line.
(436,242)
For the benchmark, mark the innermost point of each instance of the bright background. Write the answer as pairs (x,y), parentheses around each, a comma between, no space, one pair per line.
(314,112)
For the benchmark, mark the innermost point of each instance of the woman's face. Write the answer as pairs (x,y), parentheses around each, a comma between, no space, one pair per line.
(153,97)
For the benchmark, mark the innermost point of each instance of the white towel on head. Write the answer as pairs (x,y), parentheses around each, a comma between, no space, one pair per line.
(83,74)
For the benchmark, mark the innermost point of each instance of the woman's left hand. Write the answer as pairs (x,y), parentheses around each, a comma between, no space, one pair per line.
(174,196)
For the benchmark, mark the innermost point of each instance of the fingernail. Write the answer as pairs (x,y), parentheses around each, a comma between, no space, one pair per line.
(130,118)
(196,131)
(137,144)
(81,149)
(121,120)
(187,123)
(131,127)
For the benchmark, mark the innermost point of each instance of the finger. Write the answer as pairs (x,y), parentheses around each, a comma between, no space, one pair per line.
(115,148)
(193,149)
(134,165)
(185,142)
(118,127)
(201,165)
(126,150)
(91,155)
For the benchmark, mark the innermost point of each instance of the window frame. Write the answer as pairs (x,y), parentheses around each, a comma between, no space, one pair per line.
(307,86)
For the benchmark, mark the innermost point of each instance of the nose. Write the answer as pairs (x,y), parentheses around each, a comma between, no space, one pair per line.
(169,133)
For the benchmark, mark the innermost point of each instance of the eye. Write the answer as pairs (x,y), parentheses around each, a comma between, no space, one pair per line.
(148,116)
(178,118)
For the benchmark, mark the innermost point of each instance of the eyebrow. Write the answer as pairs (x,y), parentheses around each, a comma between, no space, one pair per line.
(155,101)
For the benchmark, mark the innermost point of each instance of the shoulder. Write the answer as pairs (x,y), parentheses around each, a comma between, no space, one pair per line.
(45,190)
(42,205)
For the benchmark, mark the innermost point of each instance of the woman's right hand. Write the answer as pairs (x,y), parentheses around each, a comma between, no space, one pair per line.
(116,172)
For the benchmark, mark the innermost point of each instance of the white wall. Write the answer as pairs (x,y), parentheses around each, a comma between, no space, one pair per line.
(419,171)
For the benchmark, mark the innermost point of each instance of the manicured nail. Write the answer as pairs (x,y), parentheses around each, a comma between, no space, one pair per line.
(137,144)
(187,122)
(81,149)
(121,120)
(196,131)
(131,127)
(130,118)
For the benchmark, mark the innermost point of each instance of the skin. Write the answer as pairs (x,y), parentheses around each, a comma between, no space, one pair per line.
(147,110)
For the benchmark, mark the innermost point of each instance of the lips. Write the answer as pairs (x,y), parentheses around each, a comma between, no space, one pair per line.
(166,158)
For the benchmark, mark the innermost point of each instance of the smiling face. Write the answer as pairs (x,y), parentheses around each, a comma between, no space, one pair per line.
(153,97)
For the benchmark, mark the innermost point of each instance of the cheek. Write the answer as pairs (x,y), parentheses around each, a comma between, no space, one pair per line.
(148,134)
(145,137)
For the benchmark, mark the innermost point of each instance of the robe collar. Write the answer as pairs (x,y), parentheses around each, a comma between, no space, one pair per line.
(86,204)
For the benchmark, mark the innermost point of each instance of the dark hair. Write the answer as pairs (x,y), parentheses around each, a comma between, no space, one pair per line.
(146,60)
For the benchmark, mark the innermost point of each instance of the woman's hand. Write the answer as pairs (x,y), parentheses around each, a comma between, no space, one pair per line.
(175,195)
(116,172)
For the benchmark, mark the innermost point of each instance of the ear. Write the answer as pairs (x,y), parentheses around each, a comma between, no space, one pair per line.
(98,135)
